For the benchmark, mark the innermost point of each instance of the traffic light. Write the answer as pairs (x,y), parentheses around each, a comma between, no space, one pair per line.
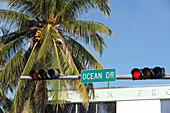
(148,73)
(45,74)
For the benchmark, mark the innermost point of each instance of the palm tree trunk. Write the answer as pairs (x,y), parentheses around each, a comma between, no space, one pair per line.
(41,95)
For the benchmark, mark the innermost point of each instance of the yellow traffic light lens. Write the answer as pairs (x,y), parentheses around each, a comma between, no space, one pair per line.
(147,73)
(42,73)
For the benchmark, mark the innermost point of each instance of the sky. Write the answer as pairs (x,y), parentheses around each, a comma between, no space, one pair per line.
(141,35)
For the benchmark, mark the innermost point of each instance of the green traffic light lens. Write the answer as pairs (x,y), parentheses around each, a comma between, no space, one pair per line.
(54,73)
(158,72)
(51,72)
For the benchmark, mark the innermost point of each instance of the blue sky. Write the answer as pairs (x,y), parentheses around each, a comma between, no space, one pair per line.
(141,35)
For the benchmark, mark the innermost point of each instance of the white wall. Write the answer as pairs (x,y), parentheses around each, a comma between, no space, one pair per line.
(138,106)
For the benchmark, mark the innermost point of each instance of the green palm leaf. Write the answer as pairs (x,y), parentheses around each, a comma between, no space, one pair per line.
(11,47)
(17,95)
(79,28)
(47,41)
(70,9)
(98,43)
(67,68)
(22,95)
(0,91)
(57,91)
(13,17)
(103,6)
(56,61)
(87,31)
(83,54)
(14,35)
(11,71)
(30,61)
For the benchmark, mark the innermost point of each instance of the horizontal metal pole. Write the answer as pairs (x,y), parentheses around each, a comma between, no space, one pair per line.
(75,77)
(130,77)
(63,77)
(123,76)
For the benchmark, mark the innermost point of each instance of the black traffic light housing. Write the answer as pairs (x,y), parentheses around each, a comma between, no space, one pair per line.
(45,74)
(148,73)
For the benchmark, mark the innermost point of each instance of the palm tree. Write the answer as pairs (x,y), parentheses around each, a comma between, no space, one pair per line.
(46,34)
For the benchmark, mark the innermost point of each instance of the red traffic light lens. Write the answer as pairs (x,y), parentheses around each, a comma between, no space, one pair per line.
(136,73)
(33,74)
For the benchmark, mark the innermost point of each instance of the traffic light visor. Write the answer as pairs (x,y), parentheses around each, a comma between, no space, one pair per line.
(135,73)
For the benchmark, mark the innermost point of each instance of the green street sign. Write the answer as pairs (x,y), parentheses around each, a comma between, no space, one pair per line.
(98,75)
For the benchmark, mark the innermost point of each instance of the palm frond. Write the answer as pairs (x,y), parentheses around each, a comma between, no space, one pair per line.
(29,88)
(64,46)
(98,43)
(30,61)
(10,48)
(66,66)
(14,35)
(71,9)
(56,61)
(5,103)
(35,8)
(75,70)
(1,91)
(103,5)
(57,91)
(87,32)
(83,55)
(12,70)
(77,84)
(11,17)
(46,38)
(82,91)
(4,30)
(24,89)
(80,27)
(16,100)
(81,88)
